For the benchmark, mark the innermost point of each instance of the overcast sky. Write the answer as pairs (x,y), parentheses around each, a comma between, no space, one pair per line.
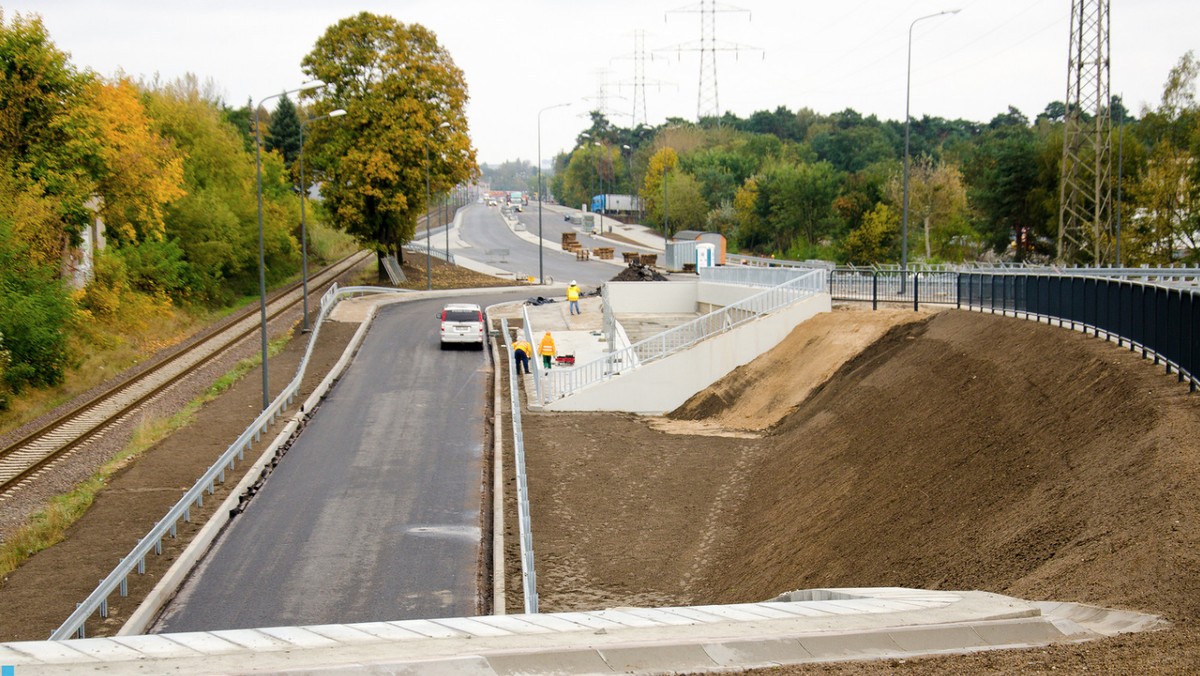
(524,55)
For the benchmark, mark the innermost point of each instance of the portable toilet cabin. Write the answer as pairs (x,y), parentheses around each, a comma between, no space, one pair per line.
(706,255)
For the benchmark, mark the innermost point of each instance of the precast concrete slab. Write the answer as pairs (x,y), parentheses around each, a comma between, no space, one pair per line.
(818,626)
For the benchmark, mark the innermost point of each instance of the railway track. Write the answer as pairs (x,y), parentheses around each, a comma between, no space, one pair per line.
(57,439)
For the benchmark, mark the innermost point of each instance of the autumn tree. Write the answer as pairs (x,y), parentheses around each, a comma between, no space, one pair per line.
(684,207)
(405,103)
(937,199)
(1168,191)
(48,141)
(215,224)
(875,240)
(663,160)
(140,171)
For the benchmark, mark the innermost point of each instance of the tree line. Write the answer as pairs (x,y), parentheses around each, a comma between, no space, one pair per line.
(799,185)
(170,171)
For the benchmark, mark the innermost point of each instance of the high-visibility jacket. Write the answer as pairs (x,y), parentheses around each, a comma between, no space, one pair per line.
(523,347)
(547,345)
(572,293)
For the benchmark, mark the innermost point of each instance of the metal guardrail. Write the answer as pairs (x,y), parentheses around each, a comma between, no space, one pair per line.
(1162,322)
(524,521)
(420,249)
(117,580)
(535,359)
(881,286)
(562,382)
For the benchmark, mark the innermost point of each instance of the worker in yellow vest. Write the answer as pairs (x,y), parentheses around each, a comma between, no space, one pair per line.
(573,297)
(522,351)
(546,349)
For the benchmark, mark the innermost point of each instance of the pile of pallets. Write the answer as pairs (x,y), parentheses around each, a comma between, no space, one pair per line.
(604,253)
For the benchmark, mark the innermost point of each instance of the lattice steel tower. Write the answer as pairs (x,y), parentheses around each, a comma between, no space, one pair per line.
(707,101)
(1085,232)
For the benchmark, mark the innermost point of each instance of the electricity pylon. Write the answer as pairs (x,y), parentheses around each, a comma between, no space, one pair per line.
(1085,231)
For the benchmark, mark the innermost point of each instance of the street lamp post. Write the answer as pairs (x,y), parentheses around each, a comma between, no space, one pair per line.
(629,166)
(428,236)
(303,225)
(907,91)
(541,270)
(262,266)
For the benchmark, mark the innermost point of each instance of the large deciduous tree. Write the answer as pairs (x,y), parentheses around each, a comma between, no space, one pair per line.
(1168,191)
(405,119)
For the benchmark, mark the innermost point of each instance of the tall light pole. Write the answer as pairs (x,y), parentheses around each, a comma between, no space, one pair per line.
(428,204)
(541,270)
(303,225)
(262,266)
(907,91)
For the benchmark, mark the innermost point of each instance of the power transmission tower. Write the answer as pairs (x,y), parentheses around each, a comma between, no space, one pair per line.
(1085,215)
(602,96)
(639,81)
(707,101)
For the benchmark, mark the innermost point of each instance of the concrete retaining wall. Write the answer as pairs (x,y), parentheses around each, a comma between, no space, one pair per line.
(664,385)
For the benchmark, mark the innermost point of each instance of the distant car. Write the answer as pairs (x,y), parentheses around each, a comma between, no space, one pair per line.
(461,323)
(491,203)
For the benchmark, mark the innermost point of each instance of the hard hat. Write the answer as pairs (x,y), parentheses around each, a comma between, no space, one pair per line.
(572,282)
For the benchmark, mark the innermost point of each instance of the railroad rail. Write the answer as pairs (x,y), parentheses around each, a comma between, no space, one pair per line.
(64,434)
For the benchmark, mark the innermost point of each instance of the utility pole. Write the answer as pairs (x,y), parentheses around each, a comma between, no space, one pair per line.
(1085,229)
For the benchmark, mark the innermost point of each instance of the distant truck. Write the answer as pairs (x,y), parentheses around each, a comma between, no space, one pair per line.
(615,204)
(516,200)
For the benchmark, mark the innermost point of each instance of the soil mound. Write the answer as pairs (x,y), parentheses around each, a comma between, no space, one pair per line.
(759,394)
(961,451)
(979,452)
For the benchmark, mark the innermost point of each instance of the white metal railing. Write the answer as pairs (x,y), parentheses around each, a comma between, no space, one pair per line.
(524,521)
(562,382)
(118,579)
(751,276)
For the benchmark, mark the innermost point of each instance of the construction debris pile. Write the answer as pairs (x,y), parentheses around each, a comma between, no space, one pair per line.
(638,272)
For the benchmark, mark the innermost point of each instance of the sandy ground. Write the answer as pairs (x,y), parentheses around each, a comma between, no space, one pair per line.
(953,451)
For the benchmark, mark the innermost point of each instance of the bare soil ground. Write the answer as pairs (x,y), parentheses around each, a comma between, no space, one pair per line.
(958,451)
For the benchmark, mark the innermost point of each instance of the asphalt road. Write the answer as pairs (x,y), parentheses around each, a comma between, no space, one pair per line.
(374,513)
(485,231)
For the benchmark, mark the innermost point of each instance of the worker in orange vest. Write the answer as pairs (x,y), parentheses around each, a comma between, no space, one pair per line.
(546,349)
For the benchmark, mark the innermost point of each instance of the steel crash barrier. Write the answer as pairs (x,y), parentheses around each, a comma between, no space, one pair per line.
(1163,322)
(118,580)
(524,522)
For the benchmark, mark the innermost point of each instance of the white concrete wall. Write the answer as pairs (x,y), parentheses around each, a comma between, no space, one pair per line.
(652,297)
(664,385)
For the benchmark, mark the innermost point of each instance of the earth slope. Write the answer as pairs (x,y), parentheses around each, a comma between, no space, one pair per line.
(960,451)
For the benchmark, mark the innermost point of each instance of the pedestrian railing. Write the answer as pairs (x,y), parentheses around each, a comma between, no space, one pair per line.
(1162,322)
(118,580)
(524,522)
(562,382)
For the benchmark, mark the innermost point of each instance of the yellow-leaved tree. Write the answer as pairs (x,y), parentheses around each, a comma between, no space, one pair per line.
(141,171)
(405,121)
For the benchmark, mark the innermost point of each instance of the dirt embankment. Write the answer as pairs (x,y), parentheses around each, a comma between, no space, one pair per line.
(962,451)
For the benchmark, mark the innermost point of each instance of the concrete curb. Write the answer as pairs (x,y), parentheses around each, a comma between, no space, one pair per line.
(175,576)
(499,598)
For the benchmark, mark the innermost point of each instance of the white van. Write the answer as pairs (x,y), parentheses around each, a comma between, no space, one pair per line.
(462,323)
